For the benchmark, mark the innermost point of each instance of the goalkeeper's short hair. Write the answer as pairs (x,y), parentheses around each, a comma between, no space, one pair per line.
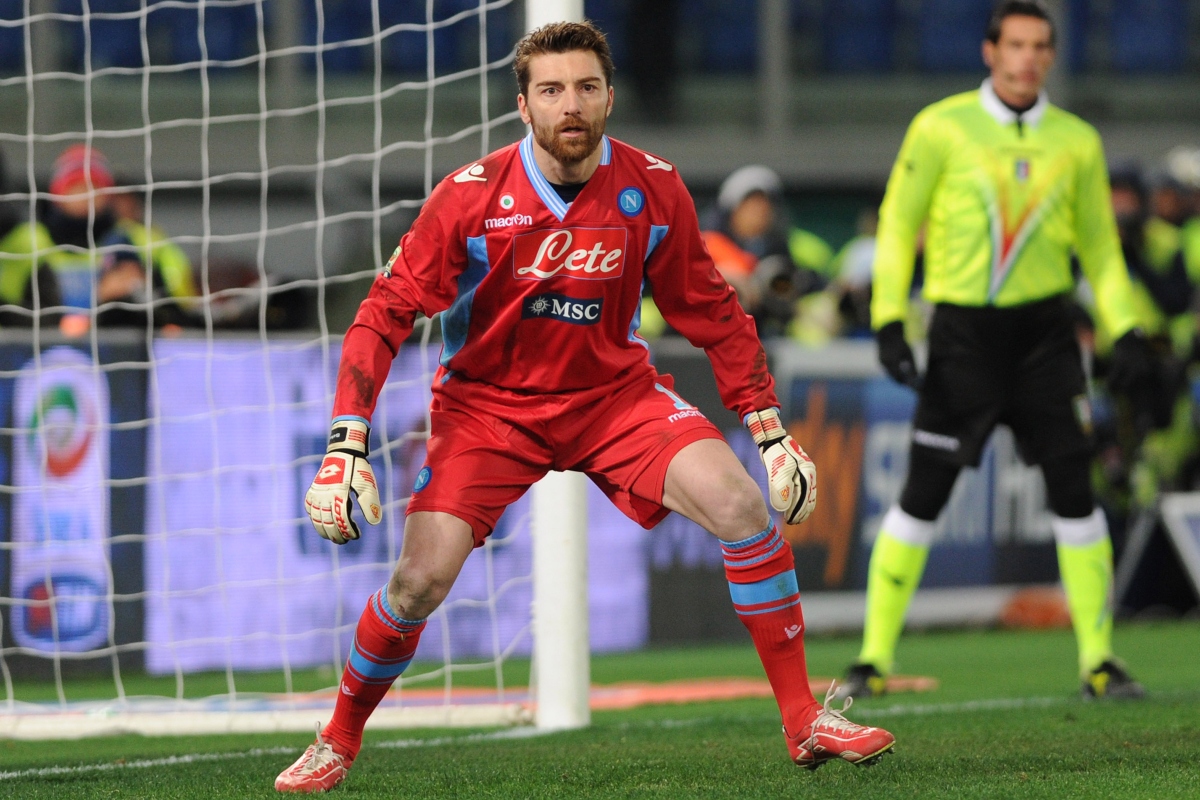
(562,37)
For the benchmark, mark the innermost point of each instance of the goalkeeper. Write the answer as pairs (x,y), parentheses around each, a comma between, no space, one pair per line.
(1008,186)
(535,256)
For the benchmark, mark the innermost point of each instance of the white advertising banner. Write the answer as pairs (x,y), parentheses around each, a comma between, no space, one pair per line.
(234,572)
(60,518)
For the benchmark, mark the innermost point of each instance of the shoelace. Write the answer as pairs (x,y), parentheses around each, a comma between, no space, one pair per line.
(322,754)
(831,718)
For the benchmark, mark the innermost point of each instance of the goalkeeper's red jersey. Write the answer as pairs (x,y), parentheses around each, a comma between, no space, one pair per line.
(543,296)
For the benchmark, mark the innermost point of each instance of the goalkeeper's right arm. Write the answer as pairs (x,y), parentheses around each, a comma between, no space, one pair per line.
(420,277)
(367,356)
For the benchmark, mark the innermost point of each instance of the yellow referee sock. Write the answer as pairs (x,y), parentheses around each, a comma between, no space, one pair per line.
(897,563)
(1085,564)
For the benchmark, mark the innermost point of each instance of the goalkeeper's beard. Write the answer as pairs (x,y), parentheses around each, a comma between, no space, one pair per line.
(566,151)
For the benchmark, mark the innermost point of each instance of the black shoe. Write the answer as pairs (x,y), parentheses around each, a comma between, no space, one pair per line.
(862,680)
(1111,680)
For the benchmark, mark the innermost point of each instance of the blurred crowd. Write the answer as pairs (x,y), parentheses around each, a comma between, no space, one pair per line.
(83,254)
(791,280)
(1149,443)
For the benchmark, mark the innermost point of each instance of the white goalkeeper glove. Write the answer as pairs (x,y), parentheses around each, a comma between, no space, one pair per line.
(791,474)
(344,470)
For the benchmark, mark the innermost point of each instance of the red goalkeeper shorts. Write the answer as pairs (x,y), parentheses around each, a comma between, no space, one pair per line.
(489,445)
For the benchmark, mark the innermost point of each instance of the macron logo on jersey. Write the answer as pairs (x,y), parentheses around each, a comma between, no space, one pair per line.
(492,223)
(592,254)
(563,308)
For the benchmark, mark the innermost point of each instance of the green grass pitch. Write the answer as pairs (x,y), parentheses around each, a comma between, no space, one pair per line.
(1005,723)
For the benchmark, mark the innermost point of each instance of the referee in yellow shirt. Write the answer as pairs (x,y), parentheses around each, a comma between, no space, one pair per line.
(1008,187)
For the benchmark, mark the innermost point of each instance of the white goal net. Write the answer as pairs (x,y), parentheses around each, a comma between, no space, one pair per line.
(157,573)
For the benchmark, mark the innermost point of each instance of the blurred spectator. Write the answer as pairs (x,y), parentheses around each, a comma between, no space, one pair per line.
(1171,200)
(173,276)
(90,250)
(789,263)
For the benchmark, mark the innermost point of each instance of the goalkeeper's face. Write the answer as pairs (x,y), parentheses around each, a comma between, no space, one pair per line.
(567,104)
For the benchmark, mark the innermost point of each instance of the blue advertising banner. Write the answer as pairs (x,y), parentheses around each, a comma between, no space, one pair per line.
(235,573)
(857,431)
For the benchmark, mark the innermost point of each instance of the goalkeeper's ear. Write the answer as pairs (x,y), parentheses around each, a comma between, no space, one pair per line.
(363,484)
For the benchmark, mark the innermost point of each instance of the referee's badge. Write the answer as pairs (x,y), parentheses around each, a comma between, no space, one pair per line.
(1022,169)
(1083,413)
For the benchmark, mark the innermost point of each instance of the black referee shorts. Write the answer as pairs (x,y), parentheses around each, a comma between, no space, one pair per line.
(1018,366)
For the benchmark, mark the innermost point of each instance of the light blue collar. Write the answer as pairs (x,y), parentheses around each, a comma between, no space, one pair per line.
(542,186)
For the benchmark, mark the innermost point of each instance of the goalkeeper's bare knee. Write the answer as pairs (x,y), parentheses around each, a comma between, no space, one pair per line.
(736,509)
(415,593)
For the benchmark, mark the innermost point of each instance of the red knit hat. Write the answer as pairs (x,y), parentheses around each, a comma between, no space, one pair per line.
(76,164)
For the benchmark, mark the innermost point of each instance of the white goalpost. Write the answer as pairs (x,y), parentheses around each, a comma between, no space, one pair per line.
(561,656)
(157,572)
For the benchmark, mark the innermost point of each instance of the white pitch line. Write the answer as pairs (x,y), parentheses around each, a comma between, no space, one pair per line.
(146,763)
(1000,704)
(509,733)
(968,706)
(194,758)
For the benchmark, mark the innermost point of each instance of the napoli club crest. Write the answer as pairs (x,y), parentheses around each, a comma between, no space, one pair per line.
(631,201)
(423,478)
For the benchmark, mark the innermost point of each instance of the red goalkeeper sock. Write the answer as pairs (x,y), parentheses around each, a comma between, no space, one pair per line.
(384,644)
(762,582)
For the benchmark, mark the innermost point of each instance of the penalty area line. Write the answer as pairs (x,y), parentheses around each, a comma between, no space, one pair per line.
(144,763)
(197,758)
(897,710)
(919,709)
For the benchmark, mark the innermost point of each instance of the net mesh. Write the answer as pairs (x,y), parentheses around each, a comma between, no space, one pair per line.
(264,157)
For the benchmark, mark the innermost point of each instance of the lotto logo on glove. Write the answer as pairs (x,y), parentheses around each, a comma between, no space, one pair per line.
(332,470)
(345,471)
(791,474)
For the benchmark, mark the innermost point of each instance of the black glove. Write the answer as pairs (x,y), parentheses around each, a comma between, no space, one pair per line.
(1129,369)
(896,356)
